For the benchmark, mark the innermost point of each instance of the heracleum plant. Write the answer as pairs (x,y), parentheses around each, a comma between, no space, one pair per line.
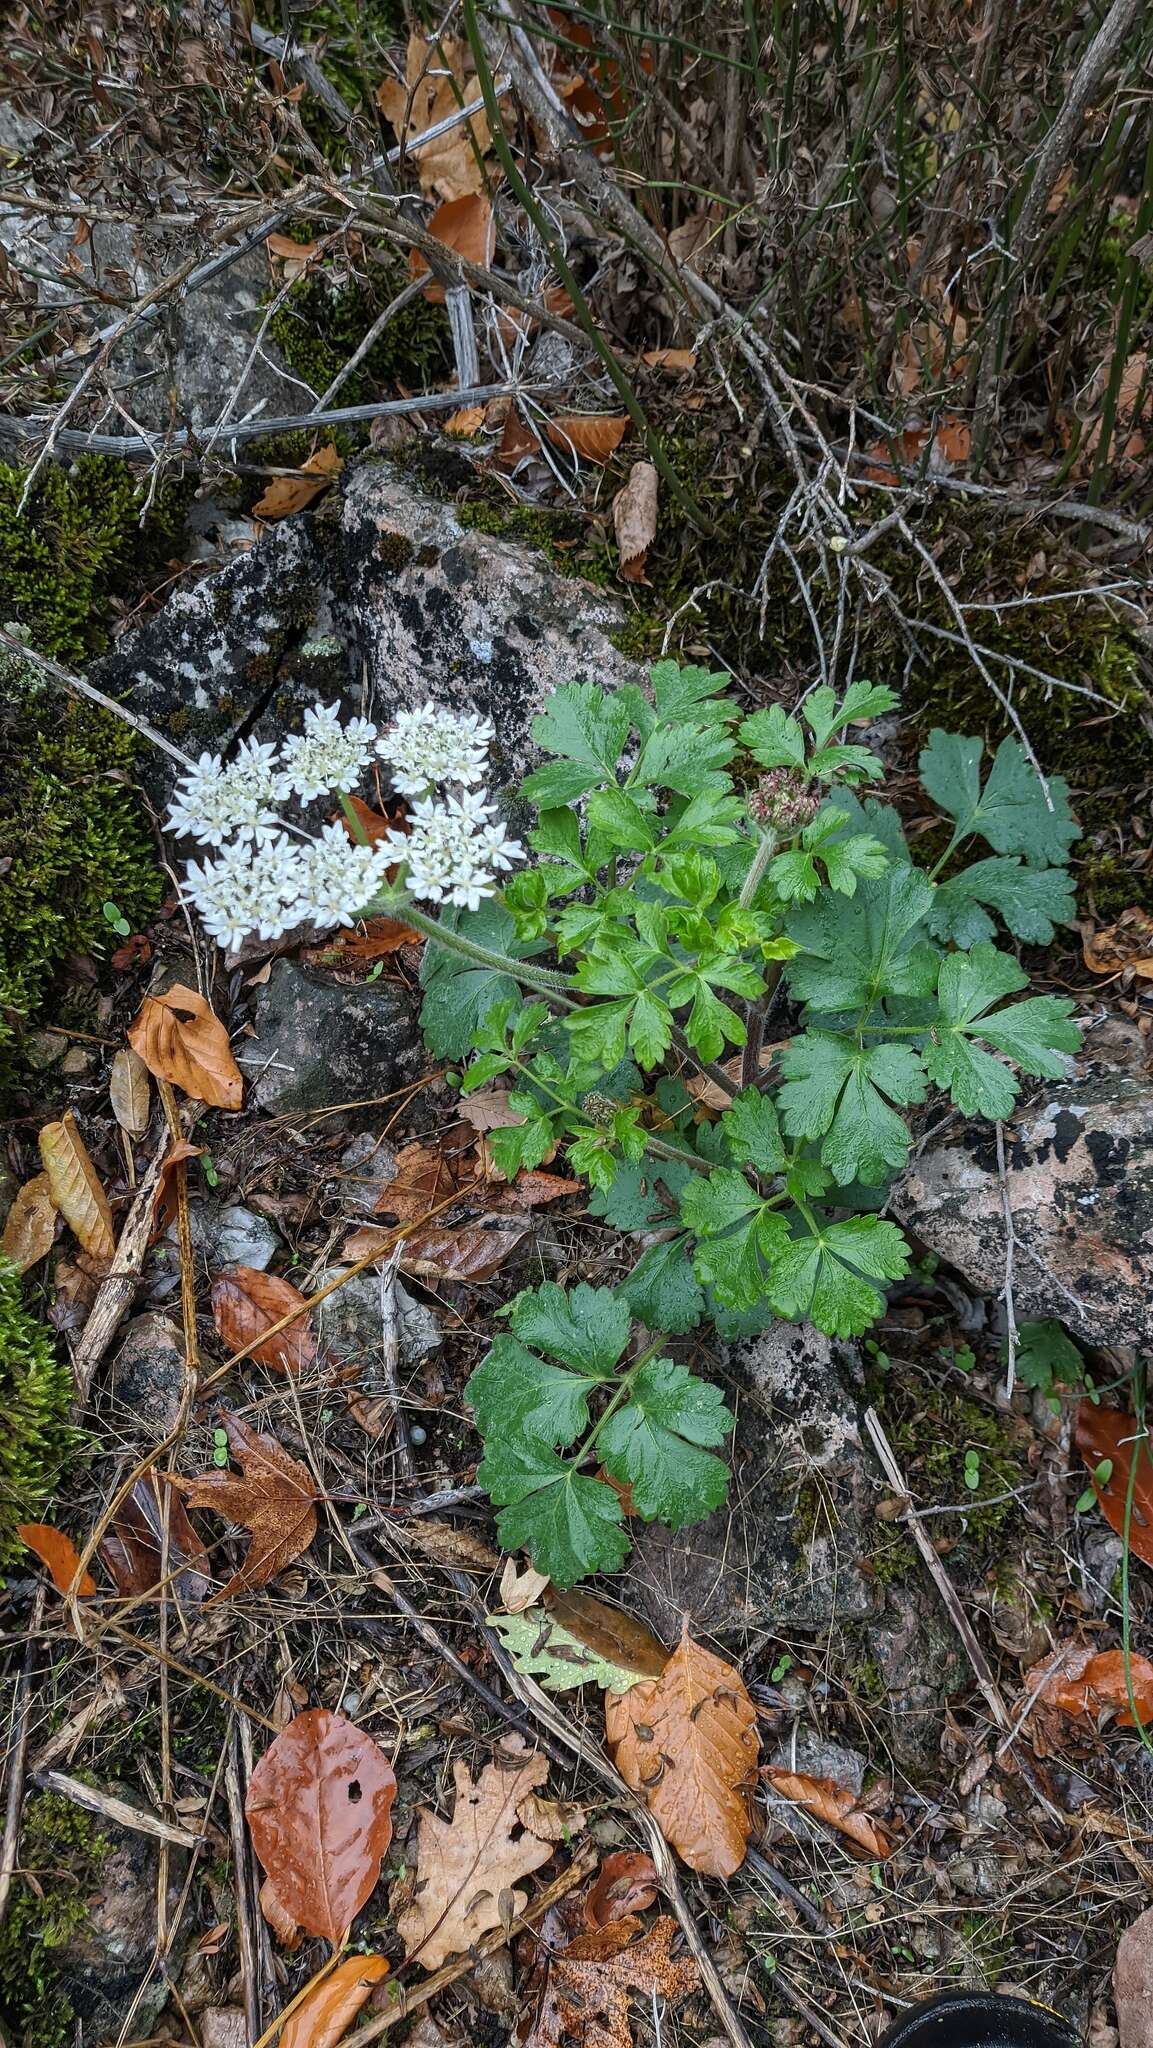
(672,904)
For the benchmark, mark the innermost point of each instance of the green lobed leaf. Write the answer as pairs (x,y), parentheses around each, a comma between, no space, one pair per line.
(835,1089)
(773,738)
(691,692)
(662,1290)
(518,1397)
(858,948)
(586,1327)
(1035,1033)
(569,1524)
(1032,901)
(827,1277)
(633,1202)
(458,997)
(584,724)
(752,1132)
(1011,812)
(654,1444)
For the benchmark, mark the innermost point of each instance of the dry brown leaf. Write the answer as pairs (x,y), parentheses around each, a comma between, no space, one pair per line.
(30,1225)
(516,442)
(180,1040)
(289,1933)
(486,1109)
(61,1556)
(130,1092)
(427,1174)
(469,1253)
(608,1631)
(711,1095)
(323,2018)
(691,237)
(319,1809)
(1104,1682)
(1133,1983)
(434,88)
(627,1882)
(465,225)
(834,1804)
(531,1189)
(164,1201)
(687,1742)
(465,423)
(461,1549)
(380,937)
(588,1986)
(76,1189)
(1126,945)
(136,1543)
(246,1301)
(551,1820)
(288,494)
(368,1238)
(591,436)
(635,520)
(467,1868)
(520,1590)
(372,825)
(290,251)
(275,1501)
(672,359)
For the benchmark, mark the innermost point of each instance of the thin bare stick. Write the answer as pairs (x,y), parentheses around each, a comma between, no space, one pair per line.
(83,688)
(411,290)
(124,1815)
(1010,1250)
(234,1790)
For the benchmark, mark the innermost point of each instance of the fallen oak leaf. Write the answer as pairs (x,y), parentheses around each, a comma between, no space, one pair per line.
(319,1810)
(550,1820)
(587,1990)
(1106,1437)
(635,520)
(246,1301)
(275,1501)
(180,1040)
(322,2019)
(59,1553)
(542,1648)
(467,1868)
(834,1804)
(75,1187)
(687,1741)
(30,1226)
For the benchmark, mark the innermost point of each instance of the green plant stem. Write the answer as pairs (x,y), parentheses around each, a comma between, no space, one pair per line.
(661,1149)
(547,983)
(757,866)
(622,1392)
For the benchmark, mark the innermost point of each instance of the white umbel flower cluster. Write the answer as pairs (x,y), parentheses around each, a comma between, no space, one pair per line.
(268,881)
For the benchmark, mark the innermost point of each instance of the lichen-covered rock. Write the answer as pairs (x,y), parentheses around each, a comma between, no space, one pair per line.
(147,1377)
(787,1550)
(349,1324)
(1079,1177)
(321,1043)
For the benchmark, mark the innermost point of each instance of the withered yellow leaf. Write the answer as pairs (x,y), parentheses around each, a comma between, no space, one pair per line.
(76,1188)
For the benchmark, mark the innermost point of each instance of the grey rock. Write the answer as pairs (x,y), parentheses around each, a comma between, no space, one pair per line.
(1079,1176)
(786,1552)
(147,1377)
(319,1043)
(103,1964)
(804,1750)
(366,1166)
(232,1236)
(349,1323)
(917,1653)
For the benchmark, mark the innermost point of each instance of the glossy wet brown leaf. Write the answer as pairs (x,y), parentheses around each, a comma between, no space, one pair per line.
(288,1932)
(586,1996)
(59,1553)
(30,1226)
(468,1868)
(76,1188)
(687,1742)
(1109,1433)
(469,1253)
(324,2017)
(591,436)
(626,1882)
(180,1040)
(834,1804)
(133,1549)
(275,1501)
(319,1809)
(288,494)
(608,1631)
(245,1302)
(130,1092)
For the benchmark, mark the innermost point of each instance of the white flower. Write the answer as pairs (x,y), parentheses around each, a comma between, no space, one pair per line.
(341,878)
(215,800)
(326,756)
(451,851)
(255,885)
(434,745)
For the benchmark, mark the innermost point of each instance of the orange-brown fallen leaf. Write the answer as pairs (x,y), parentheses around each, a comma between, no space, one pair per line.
(834,1804)
(465,423)
(373,826)
(1107,1433)
(609,1632)
(59,1553)
(164,1201)
(149,1525)
(289,1933)
(469,1253)
(427,1174)
(591,436)
(635,520)
(30,1225)
(626,1883)
(275,1501)
(435,87)
(586,1996)
(687,1742)
(76,1189)
(288,494)
(1126,945)
(468,1868)
(672,359)
(246,1301)
(323,2018)
(319,1809)
(380,937)
(516,442)
(1104,1683)
(290,251)
(180,1040)
(465,225)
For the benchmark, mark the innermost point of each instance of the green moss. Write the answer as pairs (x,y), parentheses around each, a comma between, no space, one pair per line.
(73,832)
(932,1428)
(37,1396)
(62,1849)
(321,324)
(82,539)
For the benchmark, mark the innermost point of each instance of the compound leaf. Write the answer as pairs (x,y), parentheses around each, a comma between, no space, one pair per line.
(654,1444)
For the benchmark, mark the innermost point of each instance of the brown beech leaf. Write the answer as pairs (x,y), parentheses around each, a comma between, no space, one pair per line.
(246,1301)
(469,1253)
(30,1225)
(164,1201)
(60,1554)
(627,1882)
(76,1189)
(288,1932)
(371,823)
(275,1501)
(608,1631)
(591,436)
(133,1549)
(672,359)
(427,1174)
(435,87)
(288,494)
(687,1741)
(465,423)
(370,1237)
(1108,1433)
(516,442)
(465,225)
(323,2018)
(635,520)
(1104,1682)
(587,1990)
(130,1092)
(180,1040)
(467,1868)
(834,1804)
(319,1809)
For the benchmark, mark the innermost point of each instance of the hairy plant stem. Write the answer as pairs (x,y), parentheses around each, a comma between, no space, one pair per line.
(661,1149)
(541,978)
(757,866)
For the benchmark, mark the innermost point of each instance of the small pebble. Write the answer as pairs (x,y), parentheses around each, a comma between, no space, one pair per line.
(417,1435)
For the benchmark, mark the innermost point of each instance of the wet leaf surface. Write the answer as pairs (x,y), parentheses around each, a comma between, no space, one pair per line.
(181,1041)
(466,1866)
(76,1188)
(275,1501)
(319,1809)
(59,1553)
(1106,1434)
(246,1302)
(687,1742)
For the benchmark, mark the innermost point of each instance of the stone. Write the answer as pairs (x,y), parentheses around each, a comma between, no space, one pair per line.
(1079,1175)
(916,1651)
(104,1965)
(232,1236)
(349,1324)
(147,1378)
(786,1552)
(319,1042)
(365,1168)
(223,2026)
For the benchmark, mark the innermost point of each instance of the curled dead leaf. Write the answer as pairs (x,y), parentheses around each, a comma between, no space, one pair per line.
(30,1225)
(635,519)
(288,494)
(165,1200)
(322,2019)
(180,1040)
(76,1188)
(149,1524)
(627,1882)
(1106,1435)
(470,1253)
(1126,945)
(671,359)
(59,1553)
(247,1301)
(520,1590)
(836,1805)
(465,423)
(288,1931)
(275,1501)
(1105,1682)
